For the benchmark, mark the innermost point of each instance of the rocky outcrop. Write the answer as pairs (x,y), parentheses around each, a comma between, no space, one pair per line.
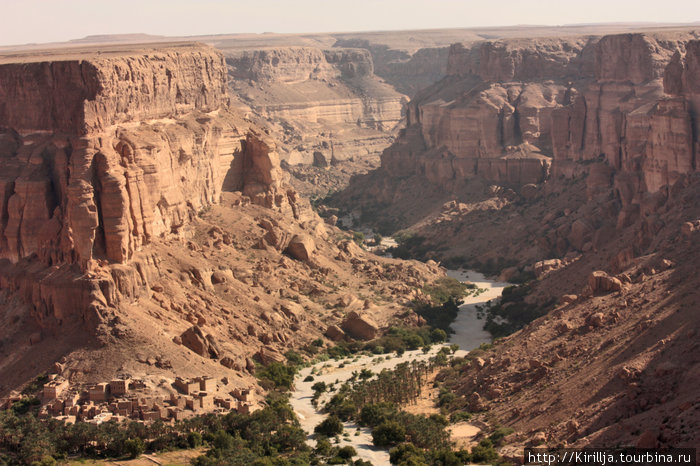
(204,345)
(360,326)
(516,112)
(85,96)
(81,184)
(601,282)
(301,247)
(325,101)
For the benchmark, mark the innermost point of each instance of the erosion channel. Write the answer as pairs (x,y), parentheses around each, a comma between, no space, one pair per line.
(468,334)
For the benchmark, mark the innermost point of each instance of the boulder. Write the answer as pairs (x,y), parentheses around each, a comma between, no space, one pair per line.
(601,282)
(596,320)
(214,350)
(542,268)
(228,361)
(301,247)
(250,365)
(204,345)
(219,276)
(360,327)
(335,333)
(568,299)
(564,327)
(268,355)
(194,339)
(320,160)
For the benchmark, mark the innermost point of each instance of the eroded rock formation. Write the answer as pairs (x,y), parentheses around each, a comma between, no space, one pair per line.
(512,111)
(320,101)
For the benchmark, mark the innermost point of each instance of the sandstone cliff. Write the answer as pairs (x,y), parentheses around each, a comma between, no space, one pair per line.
(317,101)
(520,112)
(122,230)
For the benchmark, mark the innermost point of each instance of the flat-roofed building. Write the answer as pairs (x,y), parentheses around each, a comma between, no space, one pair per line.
(54,388)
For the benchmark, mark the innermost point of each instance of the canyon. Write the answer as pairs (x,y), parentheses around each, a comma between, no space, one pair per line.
(156,223)
(149,232)
(570,163)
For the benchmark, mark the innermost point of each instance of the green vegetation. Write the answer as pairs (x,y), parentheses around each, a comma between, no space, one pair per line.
(445,288)
(512,312)
(276,376)
(330,427)
(270,433)
(358,237)
(408,246)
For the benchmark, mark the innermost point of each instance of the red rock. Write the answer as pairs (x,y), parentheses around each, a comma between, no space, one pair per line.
(601,282)
(568,299)
(335,333)
(358,326)
(301,247)
(596,319)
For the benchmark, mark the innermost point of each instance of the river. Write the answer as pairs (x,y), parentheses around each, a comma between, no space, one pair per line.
(469,334)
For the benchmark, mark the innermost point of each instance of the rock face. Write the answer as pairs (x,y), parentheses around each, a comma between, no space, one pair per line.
(86,96)
(519,111)
(204,345)
(321,101)
(82,185)
(601,282)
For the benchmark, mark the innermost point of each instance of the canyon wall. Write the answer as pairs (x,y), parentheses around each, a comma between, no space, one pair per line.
(99,157)
(319,101)
(516,112)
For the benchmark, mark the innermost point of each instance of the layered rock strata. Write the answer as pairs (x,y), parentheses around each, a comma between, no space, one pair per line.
(514,111)
(99,157)
(318,101)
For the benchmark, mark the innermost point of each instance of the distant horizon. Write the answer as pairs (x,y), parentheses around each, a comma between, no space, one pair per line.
(30,22)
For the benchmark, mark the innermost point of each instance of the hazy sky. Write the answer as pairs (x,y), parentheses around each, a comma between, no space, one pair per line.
(25,21)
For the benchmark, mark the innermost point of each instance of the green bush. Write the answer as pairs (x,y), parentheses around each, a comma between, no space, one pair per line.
(372,415)
(278,374)
(194,439)
(388,433)
(347,452)
(134,447)
(358,237)
(330,427)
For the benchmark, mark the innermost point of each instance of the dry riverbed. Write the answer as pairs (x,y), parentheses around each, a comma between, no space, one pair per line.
(469,334)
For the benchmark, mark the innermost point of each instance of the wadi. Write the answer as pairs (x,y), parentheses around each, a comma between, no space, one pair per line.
(437,246)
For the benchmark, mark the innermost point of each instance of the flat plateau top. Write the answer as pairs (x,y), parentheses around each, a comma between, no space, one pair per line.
(92,52)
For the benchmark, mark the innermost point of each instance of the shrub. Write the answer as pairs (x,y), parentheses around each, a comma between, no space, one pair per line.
(319,387)
(347,452)
(134,447)
(388,433)
(294,358)
(406,453)
(372,415)
(280,375)
(330,427)
(484,452)
(194,439)
(438,335)
(358,237)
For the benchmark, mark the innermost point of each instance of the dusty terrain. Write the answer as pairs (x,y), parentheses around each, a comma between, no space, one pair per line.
(557,158)
(149,230)
(164,240)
